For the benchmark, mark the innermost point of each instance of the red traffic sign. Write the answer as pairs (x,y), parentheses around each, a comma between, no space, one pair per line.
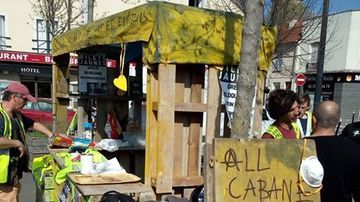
(300,79)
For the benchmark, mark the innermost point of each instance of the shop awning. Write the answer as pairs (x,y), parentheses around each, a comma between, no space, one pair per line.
(170,33)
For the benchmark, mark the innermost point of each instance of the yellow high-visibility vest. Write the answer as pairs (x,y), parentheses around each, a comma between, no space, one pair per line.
(275,132)
(308,125)
(5,153)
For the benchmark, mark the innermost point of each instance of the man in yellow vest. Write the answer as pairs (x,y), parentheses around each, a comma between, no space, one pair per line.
(13,152)
(283,107)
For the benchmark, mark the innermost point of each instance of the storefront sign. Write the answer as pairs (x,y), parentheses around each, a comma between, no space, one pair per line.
(34,70)
(24,57)
(30,70)
(14,56)
(327,91)
(328,83)
(92,74)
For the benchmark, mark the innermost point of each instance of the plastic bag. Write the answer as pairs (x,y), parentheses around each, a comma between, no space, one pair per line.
(111,144)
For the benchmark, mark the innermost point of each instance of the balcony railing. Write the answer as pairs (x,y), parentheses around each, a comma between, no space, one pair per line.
(3,42)
(42,46)
(311,67)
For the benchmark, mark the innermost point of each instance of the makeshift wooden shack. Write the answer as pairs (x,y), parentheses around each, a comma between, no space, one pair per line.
(177,44)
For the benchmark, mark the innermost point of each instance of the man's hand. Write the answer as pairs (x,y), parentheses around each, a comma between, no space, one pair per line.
(51,138)
(21,147)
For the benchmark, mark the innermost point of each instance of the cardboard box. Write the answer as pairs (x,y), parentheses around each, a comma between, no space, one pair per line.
(49,195)
(49,182)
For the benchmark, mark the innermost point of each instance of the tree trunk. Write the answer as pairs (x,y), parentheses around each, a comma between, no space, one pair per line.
(248,68)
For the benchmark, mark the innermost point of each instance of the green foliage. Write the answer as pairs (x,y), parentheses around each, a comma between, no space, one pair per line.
(34,134)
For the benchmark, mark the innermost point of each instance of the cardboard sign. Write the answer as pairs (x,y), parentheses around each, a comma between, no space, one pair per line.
(228,78)
(92,74)
(261,170)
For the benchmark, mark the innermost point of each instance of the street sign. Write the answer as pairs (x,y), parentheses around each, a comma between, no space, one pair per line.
(300,79)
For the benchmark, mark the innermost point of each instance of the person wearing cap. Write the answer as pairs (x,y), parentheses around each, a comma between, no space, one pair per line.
(13,152)
(339,156)
(352,131)
(283,107)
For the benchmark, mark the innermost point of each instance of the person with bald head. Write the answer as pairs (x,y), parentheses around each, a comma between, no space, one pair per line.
(339,156)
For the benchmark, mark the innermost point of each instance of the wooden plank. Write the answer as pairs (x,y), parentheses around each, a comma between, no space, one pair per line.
(127,188)
(188,181)
(183,75)
(185,107)
(185,145)
(151,128)
(178,148)
(197,80)
(166,114)
(190,107)
(59,86)
(179,131)
(178,139)
(212,130)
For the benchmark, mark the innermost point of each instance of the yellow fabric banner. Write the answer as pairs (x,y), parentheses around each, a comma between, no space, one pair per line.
(193,35)
(128,26)
(170,33)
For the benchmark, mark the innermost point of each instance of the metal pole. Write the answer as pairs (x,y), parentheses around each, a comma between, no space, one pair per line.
(90,11)
(321,55)
(48,36)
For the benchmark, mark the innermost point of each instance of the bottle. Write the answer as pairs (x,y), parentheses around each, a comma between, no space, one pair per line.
(87,131)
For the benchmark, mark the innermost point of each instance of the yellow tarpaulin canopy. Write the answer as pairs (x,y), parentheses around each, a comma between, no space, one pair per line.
(170,33)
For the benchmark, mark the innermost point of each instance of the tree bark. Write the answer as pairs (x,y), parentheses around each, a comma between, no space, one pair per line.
(248,68)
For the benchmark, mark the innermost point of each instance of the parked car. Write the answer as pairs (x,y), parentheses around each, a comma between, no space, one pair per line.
(41,111)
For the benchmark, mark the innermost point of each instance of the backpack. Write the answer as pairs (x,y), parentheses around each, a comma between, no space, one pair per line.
(114,196)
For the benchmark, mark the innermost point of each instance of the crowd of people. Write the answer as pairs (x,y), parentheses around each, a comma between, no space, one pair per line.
(338,155)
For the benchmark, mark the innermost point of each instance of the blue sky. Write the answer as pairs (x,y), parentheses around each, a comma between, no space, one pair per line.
(343,5)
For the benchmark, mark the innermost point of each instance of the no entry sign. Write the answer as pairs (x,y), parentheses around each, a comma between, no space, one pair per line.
(300,79)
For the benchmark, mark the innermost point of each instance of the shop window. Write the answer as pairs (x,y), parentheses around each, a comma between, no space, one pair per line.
(40,89)
(3,85)
(31,86)
(44,89)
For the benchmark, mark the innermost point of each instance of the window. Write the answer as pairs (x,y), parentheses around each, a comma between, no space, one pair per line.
(288,85)
(276,85)
(43,37)
(2,33)
(42,44)
(278,64)
(314,52)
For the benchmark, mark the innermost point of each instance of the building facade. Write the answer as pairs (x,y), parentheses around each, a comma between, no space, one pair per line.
(341,79)
(25,42)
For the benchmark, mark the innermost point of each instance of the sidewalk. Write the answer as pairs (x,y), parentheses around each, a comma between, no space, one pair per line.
(28,189)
